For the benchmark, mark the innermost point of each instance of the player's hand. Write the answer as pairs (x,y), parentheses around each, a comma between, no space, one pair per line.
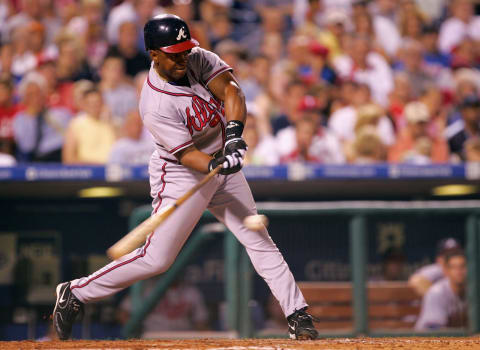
(230,163)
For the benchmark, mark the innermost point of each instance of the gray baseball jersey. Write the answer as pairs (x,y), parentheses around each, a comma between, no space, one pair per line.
(441,307)
(177,117)
(432,272)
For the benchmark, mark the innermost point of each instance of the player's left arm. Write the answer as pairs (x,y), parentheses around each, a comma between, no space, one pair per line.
(226,88)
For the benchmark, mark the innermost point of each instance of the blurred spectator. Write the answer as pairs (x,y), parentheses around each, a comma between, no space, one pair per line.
(368,148)
(89,139)
(119,96)
(132,148)
(472,150)
(365,66)
(414,143)
(466,83)
(336,22)
(6,59)
(38,129)
(8,109)
(344,120)
(411,63)
(398,98)
(411,24)
(182,308)
(88,28)
(262,148)
(463,125)
(126,48)
(465,55)
(316,68)
(295,92)
(125,12)
(433,60)
(79,89)
(308,141)
(460,25)
(71,64)
(425,277)
(445,304)
(23,59)
(59,94)
(393,266)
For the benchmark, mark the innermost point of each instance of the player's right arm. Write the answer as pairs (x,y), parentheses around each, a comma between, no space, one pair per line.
(419,284)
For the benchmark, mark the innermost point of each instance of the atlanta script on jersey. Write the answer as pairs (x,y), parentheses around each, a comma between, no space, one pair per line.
(179,116)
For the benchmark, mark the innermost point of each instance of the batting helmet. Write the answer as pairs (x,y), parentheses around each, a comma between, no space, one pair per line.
(168,33)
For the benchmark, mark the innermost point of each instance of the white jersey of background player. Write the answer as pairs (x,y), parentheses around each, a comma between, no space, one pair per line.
(193,106)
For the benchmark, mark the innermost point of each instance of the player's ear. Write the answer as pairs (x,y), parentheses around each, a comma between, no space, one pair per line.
(154,55)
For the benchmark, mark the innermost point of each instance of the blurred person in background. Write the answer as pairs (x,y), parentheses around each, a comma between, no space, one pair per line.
(363,65)
(316,68)
(398,98)
(134,59)
(24,60)
(434,61)
(466,55)
(182,308)
(119,96)
(262,146)
(414,143)
(79,89)
(59,94)
(466,83)
(444,304)
(367,148)
(462,24)
(29,10)
(294,94)
(410,62)
(411,24)
(71,64)
(38,129)
(89,139)
(307,140)
(8,108)
(6,59)
(132,148)
(343,120)
(393,266)
(463,125)
(422,279)
(88,28)
(472,150)
(336,23)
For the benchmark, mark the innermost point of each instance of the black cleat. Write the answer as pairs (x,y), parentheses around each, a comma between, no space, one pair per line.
(300,325)
(66,310)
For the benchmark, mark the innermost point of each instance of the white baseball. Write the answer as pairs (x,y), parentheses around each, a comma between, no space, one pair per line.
(255,222)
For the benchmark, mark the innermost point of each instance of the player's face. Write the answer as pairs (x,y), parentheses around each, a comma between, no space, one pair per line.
(171,66)
(456,270)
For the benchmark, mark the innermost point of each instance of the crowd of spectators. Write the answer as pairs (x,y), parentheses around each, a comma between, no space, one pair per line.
(326,81)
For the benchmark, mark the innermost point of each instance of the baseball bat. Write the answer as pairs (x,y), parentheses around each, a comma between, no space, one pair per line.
(138,235)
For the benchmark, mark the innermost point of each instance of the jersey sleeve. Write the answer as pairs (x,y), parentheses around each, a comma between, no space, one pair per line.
(168,132)
(210,66)
(434,314)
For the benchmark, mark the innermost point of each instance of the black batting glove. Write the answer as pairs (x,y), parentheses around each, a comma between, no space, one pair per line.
(234,143)
(230,164)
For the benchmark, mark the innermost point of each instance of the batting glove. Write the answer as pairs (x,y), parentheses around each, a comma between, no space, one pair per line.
(234,143)
(230,163)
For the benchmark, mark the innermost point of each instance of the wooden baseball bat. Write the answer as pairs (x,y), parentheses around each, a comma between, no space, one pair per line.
(138,235)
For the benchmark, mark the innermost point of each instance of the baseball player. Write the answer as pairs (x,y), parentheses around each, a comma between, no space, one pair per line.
(195,110)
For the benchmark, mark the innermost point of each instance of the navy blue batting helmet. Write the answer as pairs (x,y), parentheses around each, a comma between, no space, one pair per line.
(168,33)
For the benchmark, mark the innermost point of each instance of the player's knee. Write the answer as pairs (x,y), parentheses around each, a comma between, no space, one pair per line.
(161,265)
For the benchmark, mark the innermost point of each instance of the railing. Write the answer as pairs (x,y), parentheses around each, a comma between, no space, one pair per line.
(239,272)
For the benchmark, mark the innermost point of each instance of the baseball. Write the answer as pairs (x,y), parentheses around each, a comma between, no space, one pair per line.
(255,222)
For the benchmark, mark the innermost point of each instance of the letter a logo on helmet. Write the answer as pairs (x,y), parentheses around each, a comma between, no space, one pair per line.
(181,34)
(168,33)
